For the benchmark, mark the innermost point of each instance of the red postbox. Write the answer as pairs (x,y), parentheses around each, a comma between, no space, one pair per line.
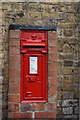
(33,66)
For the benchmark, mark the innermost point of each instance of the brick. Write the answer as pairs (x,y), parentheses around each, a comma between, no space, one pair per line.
(52,50)
(52,58)
(52,74)
(13,98)
(14,58)
(13,89)
(26,115)
(51,106)
(51,36)
(14,42)
(13,74)
(52,89)
(31,107)
(14,81)
(19,115)
(14,115)
(14,50)
(52,98)
(52,66)
(38,107)
(13,107)
(52,43)
(45,114)
(52,81)
(26,107)
(14,33)
(13,65)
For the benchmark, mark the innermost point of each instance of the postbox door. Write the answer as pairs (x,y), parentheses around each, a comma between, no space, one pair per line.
(33,77)
(33,66)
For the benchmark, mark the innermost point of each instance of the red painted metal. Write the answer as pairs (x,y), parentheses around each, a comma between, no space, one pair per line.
(33,66)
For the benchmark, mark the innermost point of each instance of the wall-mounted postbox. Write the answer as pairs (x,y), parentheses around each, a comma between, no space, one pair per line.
(33,66)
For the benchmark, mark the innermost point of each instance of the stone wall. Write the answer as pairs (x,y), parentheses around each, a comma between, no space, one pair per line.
(39,1)
(79,54)
(1,63)
(65,17)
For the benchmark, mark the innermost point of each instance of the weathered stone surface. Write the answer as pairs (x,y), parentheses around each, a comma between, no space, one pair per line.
(68,110)
(67,71)
(68,63)
(59,103)
(70,102)
(68,95)
(71,117)
(76,110)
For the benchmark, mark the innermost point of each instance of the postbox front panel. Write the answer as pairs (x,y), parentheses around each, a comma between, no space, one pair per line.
(34,76)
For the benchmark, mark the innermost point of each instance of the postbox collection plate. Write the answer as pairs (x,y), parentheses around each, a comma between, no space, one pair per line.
(33,66)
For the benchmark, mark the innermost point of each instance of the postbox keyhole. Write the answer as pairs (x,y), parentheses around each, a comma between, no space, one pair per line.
(29,79)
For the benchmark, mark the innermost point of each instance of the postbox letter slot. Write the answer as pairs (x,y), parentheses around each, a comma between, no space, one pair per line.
(29,92)
(34,47)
